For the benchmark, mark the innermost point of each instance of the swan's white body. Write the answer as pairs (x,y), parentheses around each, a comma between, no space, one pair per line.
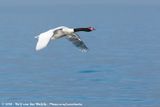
(59,32)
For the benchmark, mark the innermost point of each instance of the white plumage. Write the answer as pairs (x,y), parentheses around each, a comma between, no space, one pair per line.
(43,39)
(59,32)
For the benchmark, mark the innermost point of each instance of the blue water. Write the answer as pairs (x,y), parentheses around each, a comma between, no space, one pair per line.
(121,69)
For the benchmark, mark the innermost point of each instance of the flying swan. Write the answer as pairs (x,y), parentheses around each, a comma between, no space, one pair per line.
(62,31)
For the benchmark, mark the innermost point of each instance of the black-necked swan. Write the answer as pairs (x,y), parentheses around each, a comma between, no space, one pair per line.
(59,32)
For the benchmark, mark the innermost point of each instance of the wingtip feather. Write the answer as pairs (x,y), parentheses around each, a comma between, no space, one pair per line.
(84,50)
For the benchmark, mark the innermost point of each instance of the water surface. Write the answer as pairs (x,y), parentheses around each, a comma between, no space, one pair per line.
(121,68)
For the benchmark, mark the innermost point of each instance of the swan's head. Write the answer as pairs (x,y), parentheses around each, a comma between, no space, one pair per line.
(91,29)
(85,29)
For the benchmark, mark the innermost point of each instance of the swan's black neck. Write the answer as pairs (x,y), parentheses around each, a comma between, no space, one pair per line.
(81,29)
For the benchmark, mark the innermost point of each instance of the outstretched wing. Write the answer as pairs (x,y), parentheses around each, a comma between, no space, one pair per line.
(43,40)
(75,39)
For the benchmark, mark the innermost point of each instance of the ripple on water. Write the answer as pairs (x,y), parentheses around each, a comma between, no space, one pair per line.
(88,71)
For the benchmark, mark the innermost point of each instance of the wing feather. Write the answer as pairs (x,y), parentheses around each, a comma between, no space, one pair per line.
(43,40)
(75,39)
